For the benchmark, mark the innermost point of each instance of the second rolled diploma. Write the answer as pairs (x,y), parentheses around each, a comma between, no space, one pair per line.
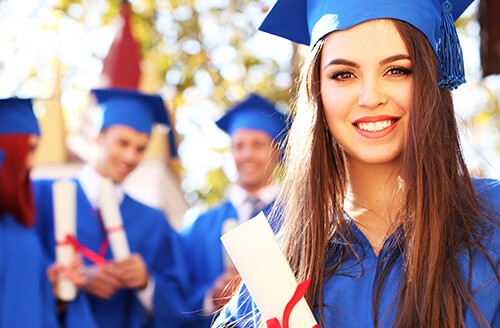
(112,220)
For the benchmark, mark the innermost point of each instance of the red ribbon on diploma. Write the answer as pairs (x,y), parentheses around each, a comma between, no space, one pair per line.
(114,229)
(86,252)
(105,242)
(300,291)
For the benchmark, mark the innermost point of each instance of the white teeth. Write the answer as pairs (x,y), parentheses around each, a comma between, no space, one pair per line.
(375,127)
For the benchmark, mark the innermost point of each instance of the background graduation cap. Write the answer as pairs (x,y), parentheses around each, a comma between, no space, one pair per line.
(255,113)
(17,117)
(134,109)
(307,21)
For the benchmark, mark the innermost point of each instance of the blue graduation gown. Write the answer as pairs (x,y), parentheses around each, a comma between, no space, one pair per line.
(26,298)
(204,255)
(348,295)
(150,235)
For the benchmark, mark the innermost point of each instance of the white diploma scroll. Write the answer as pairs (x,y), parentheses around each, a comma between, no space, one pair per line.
(112,219)
(64,197)
(265,271)
(227,226)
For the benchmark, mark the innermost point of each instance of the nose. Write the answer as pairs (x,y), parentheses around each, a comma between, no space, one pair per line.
(371,94)
(248,152)
(130,156)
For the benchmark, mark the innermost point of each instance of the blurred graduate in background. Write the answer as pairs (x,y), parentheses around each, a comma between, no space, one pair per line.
(256,129)
(147,288)
(26,295)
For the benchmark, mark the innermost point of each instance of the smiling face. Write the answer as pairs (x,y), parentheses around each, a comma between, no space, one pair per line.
(255,157)
(366,90)
(121,150)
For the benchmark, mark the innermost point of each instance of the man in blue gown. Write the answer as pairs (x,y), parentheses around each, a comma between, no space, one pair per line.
(256,129)
(147,288)
(26,295)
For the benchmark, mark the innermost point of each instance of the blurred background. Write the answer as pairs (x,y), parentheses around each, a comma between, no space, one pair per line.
(202,57)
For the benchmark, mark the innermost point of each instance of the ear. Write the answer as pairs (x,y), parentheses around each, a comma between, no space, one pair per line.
(99,137)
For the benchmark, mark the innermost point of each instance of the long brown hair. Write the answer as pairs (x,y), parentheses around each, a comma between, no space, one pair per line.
(440,216)
(16,197)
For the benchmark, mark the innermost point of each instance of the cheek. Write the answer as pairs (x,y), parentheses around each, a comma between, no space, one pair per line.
(30,159)
(403,97)
(335,110)
(114,154)
(138,156)
(265,156)
(237,156)
(408,101)
(336,101)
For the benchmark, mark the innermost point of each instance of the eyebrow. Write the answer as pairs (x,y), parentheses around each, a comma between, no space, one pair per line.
(341,61)
(393,59)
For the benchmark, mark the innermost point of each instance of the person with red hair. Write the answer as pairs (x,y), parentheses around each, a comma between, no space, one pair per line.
(26,295)
(15,185)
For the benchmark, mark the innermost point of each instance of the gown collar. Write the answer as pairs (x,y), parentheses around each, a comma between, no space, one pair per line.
(360,242)
(89,180)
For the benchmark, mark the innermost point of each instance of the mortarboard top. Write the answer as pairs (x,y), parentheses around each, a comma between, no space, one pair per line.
(134,109)
(17,117)
(307,21)
(255,113)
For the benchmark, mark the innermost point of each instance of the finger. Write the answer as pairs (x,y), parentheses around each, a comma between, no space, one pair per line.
(131,263)
(52,272)
(77,262)
(111,279)
(75,276)
(103,276)
(101,289)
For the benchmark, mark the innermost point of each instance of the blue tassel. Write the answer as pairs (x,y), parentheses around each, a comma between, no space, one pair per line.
(449,51)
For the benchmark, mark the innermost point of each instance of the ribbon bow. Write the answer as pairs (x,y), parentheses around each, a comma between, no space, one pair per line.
(86,252)
(300,291)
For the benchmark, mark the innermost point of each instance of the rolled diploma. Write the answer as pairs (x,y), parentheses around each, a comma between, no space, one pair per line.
(112,219)
(64,196)
(265,271)
(227,226)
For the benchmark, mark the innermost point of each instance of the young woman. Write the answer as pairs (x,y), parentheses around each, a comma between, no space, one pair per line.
(26,294)
(379,208)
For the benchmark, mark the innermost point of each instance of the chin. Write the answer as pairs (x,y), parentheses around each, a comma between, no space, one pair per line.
(118,179)
(379,160)
(251,185)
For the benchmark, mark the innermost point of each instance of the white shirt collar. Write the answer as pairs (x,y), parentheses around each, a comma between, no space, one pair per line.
(239,196)
(267,194)
(90,179)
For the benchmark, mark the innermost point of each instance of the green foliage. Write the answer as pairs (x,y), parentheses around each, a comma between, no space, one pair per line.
(214,190)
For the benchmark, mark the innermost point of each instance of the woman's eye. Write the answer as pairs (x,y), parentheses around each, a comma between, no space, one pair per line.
(398,71)
(342,76)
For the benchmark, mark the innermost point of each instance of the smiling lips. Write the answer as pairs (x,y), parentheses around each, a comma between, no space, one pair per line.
(375,126)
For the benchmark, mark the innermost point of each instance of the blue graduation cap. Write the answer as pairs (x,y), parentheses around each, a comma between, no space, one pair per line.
(307,21)
(134,109)
(255,113)
(17,117)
